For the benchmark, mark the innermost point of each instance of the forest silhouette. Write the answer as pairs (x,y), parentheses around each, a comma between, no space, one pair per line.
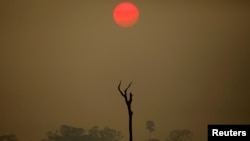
(70,133)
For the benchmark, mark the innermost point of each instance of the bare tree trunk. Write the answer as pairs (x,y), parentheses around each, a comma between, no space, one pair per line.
(130,113)
(128,102)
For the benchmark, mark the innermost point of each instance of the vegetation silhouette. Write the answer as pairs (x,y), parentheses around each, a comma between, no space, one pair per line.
(69,133)
(150,127)
(128,101)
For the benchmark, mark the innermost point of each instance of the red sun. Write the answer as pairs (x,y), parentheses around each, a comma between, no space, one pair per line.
(126,14)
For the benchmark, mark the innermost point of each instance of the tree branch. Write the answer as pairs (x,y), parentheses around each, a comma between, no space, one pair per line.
(127,87)
(119,88)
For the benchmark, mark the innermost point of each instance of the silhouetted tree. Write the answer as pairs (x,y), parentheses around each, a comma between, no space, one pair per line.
(66,133)
(11,137)
(180,135)
(106,134)
(150,127)
(94,132)
(128,101)
(69,133)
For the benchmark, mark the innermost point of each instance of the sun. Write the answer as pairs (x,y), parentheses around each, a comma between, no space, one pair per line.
(126,14)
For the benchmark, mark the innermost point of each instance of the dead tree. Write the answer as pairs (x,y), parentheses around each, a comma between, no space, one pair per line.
(128,101)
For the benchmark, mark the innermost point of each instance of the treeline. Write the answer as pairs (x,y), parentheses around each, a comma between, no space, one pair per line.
(70,133)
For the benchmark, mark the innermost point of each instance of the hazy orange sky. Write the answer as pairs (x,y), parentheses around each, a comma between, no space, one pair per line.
(61,62)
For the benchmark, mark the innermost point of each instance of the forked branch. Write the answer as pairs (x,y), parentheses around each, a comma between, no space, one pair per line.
(124,93)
